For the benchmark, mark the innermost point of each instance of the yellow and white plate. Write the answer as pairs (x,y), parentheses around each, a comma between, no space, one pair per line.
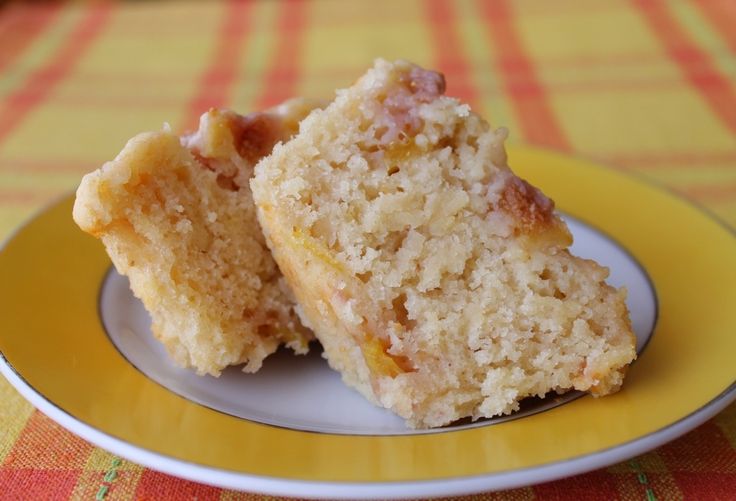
(76,343)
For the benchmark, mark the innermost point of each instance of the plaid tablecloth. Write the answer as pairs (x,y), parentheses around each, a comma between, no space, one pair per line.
(643,86)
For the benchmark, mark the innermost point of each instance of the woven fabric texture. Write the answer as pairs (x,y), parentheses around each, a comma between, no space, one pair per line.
(644,86)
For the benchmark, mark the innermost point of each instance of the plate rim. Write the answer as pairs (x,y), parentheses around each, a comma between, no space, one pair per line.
(569,396)
(400,489)
(368,490)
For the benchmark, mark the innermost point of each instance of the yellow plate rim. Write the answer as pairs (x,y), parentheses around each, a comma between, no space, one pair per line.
(383,483)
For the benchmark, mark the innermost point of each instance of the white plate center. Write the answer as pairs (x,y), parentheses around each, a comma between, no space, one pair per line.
(302,392)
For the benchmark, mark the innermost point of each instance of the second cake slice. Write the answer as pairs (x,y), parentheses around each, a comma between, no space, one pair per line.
(177,217)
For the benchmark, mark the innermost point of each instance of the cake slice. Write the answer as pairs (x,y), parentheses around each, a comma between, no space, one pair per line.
(438,282)
(176,216)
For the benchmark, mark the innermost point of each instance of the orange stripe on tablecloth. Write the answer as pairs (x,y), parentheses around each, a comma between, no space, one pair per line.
(217,81)
(43,444)
(449,51)
(114,102)
(671,159)
(567,61)
(345,70)
(154,485)
(330,76)
(40,83)
(166,101)
(10,16)
(722,15)
(703,451)
(694,63)
(32,21)
(283,75)
(46,166)
(598,485)
(34,483)
(537,121)
(721,192)
(14,197)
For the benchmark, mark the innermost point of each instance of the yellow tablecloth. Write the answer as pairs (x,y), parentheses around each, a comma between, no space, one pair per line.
(643,86)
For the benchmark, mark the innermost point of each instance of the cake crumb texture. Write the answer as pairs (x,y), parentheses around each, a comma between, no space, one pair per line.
(176,216)
(439,283)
